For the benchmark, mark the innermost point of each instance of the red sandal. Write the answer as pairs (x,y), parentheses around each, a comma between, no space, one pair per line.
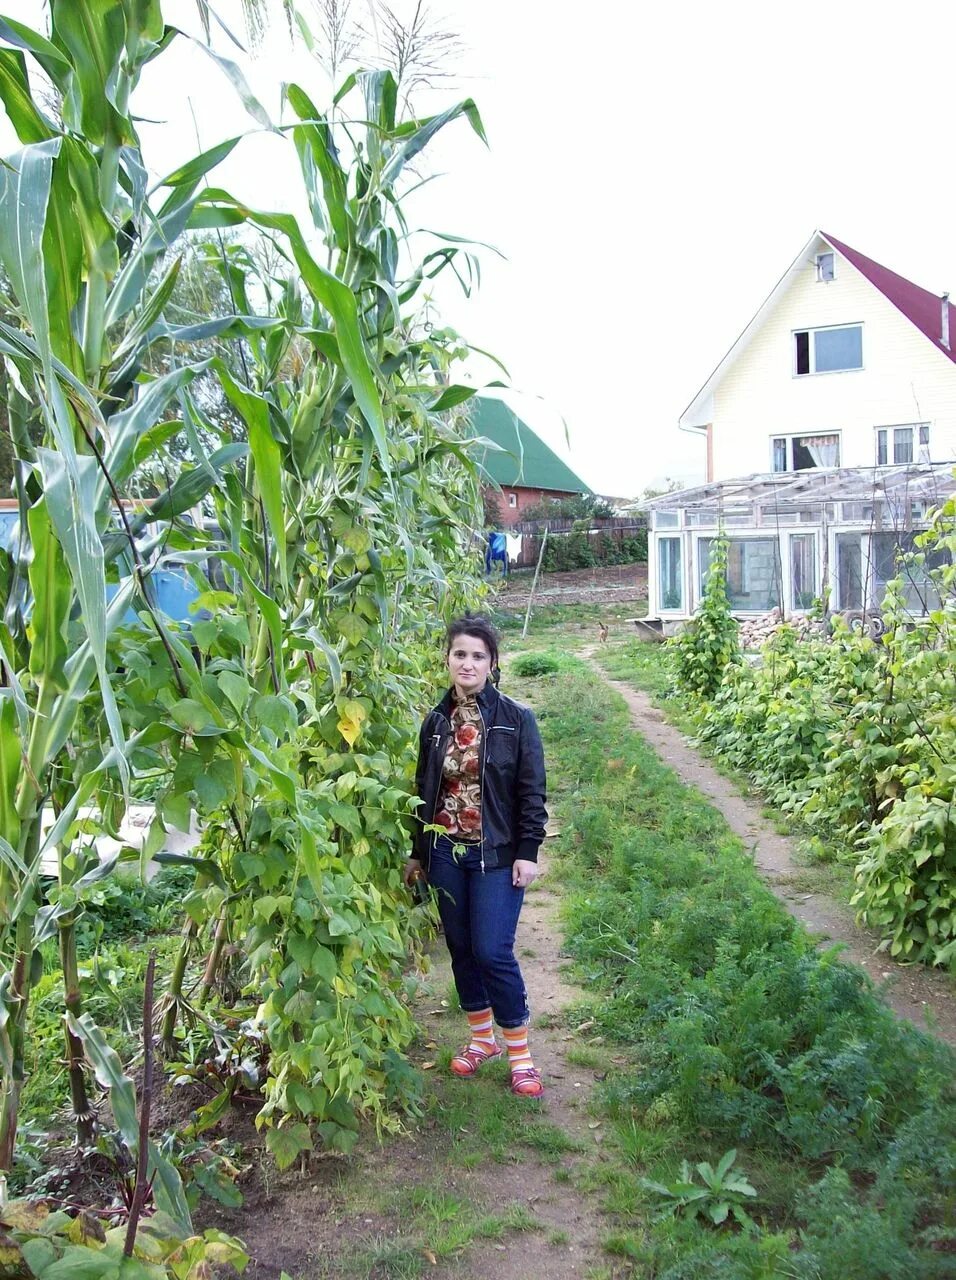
(526,1083)
(469,1060)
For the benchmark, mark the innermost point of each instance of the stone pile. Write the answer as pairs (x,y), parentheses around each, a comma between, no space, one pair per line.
(755,632)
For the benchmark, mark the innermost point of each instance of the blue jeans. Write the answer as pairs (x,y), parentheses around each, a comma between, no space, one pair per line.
(479,911)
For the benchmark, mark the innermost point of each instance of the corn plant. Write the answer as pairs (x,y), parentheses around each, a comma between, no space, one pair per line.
(84,252)
(340,547)
(287,720)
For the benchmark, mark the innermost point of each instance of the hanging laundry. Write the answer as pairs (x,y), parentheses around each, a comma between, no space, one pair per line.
(513,541)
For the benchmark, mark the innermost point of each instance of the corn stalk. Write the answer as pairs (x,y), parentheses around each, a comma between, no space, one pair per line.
(347,534)
(84,253)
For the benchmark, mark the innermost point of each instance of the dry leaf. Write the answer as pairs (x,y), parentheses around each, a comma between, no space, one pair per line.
(431,1257)
(429,1066)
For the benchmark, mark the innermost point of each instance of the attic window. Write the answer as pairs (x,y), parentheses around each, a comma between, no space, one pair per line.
(826,266)
(828,350)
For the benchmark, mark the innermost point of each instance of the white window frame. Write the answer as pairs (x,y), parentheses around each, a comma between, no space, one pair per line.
(512,500)
(751,534)
(813,372)
(918,439)
(804,535)
(679,609)
(818,260)
(789,437)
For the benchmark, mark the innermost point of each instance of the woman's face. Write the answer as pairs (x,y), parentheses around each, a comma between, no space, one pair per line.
(469,663)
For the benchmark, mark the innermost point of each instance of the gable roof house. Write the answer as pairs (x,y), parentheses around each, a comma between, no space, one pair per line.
(830,430)
(523,467)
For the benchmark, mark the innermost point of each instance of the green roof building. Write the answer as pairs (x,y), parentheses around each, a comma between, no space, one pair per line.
(523,466)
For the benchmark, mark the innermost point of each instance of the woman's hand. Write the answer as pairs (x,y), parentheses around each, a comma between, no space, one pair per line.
(523,873)
(411,872)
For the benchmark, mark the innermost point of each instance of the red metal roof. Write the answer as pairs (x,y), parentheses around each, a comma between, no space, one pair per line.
(922,308)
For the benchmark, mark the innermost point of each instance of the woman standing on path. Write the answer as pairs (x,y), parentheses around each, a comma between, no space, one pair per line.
(481,777)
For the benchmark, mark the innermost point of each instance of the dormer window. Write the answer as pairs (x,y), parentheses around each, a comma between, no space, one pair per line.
(826,266)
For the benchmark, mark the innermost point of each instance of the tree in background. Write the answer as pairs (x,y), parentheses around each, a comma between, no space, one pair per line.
(579,506)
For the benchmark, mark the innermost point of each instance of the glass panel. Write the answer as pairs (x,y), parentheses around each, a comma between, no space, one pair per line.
(753,573)
(824,266)
(671,577)
(803,570)
(779,454)
(903,444)
(666,519)
(881,453)
(837,349)
(919,590)
(849,571)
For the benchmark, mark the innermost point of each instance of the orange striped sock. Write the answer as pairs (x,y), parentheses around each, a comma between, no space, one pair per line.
(516,1040)
(482,1032)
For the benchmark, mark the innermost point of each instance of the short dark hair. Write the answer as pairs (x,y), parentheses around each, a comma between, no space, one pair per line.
(474,624)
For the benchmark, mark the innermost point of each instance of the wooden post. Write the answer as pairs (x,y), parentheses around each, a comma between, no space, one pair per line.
(537,570)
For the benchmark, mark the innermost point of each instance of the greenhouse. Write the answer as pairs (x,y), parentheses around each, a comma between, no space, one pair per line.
(792,537)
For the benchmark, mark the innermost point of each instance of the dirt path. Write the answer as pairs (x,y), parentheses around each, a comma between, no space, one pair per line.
(923,996)
(383,1211)
(566,1244)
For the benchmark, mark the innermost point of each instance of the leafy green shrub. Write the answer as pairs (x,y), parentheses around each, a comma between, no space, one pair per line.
(854,737)
(535,664)
(566,551)
(702,650)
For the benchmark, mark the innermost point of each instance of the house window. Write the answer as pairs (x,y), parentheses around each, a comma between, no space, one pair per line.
(825,266)
(828,350)
(803,570)
(753,573)
(803,453)
(901,445)
(670,573)
(512,500)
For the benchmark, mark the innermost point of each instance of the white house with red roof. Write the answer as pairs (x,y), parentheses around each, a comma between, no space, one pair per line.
(846,364)
(830,431)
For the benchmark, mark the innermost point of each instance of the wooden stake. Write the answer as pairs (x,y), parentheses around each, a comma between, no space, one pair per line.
(537,570)
(142,1154)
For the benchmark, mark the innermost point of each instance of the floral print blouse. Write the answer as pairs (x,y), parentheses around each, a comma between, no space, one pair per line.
(459,803)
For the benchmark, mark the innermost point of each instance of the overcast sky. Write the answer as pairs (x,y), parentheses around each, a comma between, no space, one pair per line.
(652,171)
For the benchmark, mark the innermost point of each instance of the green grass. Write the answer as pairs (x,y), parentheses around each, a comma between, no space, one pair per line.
(585,1055)
(435,1227)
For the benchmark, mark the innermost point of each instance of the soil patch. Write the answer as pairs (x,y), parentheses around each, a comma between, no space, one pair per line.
(610,584)
(924,996)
